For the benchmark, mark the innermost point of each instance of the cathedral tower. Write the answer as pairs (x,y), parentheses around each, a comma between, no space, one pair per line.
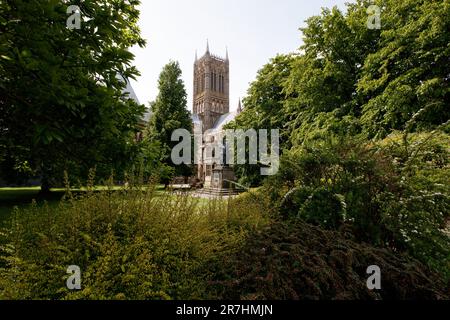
(211,88)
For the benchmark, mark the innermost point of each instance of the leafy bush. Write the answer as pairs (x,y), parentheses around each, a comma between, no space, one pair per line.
(294,260)
(394,193)
(132,244)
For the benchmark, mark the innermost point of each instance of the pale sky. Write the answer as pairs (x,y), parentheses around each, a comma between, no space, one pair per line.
(253,30)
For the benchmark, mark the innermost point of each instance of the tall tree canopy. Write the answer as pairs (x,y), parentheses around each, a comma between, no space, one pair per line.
(169,112)
(348,79)
(62,103)
(408,77)
(264,108)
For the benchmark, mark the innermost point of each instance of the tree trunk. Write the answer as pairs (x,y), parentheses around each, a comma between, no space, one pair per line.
(45,182)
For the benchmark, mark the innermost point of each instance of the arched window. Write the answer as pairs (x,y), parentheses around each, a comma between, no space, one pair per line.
(211,84)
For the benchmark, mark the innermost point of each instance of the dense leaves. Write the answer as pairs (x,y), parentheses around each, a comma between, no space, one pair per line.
(63,104)
(375,193)
(296,261)
(169,113)
(136,243)
(365,119)
(349,79)
(408,76)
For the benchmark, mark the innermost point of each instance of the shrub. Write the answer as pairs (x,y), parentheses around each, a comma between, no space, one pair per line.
(393,193)
(135,243)
(294,260)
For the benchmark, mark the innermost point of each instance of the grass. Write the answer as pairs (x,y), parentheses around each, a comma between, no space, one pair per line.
(136,243)
(23,197)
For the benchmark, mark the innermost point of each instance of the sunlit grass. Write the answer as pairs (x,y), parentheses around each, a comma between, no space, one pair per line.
(22,197)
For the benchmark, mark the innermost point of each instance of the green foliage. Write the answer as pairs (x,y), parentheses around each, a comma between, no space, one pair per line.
(296,261)
(264,103)
(348,79)
(134,243)
(393,194)
(349,84)
(407,77)
(264,109)
(62,103)
(169,113)
(150,162)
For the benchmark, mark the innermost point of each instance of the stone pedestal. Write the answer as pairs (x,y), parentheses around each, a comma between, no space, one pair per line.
(222,178)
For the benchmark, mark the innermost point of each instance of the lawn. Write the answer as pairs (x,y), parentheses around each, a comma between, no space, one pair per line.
(22,197)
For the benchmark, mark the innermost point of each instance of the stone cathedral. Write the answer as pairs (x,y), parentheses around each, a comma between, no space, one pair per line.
(211,111)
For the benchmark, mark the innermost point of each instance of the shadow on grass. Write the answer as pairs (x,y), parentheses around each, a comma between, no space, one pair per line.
(23,197)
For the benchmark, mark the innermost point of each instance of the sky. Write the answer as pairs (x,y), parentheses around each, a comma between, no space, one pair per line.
(253,30)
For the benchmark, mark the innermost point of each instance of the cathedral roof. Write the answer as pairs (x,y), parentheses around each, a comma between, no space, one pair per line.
(224,120)
(132,95)
(195,119)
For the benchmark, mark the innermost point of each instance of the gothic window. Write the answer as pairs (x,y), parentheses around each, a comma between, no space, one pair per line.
(215,82)
(211,79)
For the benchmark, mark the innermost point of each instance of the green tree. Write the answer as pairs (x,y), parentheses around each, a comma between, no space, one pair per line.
(323,81)
(407,80)
(62,103)
(264,109)
(169,113)
(349,79)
